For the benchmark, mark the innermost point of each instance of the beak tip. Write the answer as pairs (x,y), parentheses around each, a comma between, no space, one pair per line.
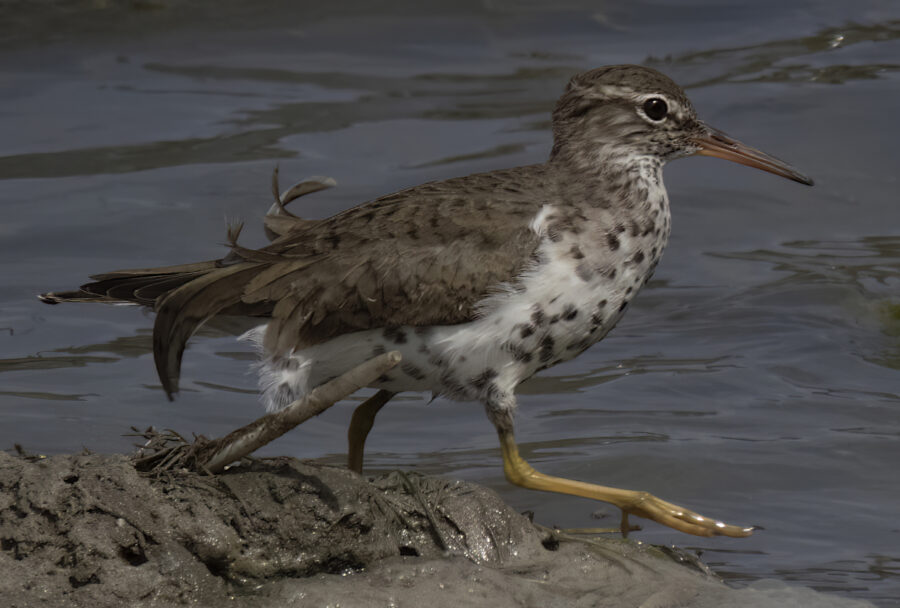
(716,143)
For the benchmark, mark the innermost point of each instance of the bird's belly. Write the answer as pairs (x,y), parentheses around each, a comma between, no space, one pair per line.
(470,362)
(442,359)
(529,330)
(557,310)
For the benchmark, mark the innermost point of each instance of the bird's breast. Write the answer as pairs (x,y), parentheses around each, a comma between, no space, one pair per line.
(589,266)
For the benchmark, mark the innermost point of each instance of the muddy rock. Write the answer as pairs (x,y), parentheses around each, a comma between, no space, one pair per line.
(88,530)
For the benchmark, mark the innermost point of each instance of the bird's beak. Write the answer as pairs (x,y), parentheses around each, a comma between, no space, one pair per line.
(713,142)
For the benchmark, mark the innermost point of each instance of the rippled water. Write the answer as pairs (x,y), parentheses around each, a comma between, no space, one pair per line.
(756,378)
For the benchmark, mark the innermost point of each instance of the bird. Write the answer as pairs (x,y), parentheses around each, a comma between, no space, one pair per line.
(480,282)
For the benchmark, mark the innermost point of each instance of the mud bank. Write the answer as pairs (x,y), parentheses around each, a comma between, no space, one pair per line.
(88,530)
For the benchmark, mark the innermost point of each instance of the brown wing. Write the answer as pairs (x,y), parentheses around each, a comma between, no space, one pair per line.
(422,256)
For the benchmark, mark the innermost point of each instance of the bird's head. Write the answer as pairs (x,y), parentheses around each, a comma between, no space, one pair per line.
(622,114)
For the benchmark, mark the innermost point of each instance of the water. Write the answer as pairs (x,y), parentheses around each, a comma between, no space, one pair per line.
(756,378)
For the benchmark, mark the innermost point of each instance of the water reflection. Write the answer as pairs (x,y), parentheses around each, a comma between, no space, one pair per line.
(48,363)
(867,270)
(759,62)
(859,261)
(629,366)
(42,395)
(246,146)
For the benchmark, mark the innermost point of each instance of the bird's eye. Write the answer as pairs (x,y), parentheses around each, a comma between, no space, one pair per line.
(655,108)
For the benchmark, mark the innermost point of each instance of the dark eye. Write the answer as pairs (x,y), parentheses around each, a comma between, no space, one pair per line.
(655,108)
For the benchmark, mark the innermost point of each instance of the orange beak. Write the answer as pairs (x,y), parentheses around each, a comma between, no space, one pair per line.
(718,144)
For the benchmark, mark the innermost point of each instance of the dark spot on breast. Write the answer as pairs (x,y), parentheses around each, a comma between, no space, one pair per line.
(452,385)
(519,352)
(481,380)
(547,345)
(555,298)
(569,312)
(601,304)
(492,393)
(583,272)
(412,371)
(596,319)
(554,319)
(576,252)
(623,305)
(629,290)
(413,233)
(537,315)
(635,229)
(423,348)
(395,334)
(525,330)
(610,274)
(579,346)
(612,241)
(638,257)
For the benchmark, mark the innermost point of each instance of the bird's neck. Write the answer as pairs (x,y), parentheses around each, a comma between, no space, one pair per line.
(610,175)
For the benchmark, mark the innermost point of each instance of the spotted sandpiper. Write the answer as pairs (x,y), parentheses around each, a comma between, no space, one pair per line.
(479,281)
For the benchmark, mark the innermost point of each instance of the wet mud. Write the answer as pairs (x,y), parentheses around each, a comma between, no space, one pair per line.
(89,530)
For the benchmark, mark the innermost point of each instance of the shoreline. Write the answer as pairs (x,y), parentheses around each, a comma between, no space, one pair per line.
(90,530)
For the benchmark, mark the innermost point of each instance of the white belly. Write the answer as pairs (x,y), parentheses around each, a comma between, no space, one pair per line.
(553,316)
(574,294)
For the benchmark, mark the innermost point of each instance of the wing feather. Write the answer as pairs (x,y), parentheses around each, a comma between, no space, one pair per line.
(423,256)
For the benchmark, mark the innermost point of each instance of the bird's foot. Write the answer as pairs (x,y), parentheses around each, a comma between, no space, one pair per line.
(644,504)
(641,504)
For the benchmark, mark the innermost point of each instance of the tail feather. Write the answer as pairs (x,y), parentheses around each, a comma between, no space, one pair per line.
(138,286)
(58,297)
(184,310)
(151,292)
(187,295)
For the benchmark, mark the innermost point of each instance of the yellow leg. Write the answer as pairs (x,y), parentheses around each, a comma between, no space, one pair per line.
(642,504)
(360,425)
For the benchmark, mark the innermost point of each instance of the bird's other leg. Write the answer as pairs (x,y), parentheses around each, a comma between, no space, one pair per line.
(641,504)
(360,425)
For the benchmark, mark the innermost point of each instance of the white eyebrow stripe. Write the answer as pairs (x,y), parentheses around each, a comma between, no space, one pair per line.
(676,109)
(609,90)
